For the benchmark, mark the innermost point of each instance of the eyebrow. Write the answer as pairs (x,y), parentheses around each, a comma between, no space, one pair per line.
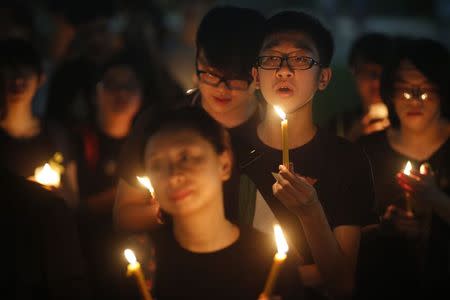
(302,45)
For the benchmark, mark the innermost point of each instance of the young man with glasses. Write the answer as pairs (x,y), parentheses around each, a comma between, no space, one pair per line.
(325,201)
(228,40)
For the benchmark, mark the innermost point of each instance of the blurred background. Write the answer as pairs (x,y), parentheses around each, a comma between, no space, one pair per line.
(165,29)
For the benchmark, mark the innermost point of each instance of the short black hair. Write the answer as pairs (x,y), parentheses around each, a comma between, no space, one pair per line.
(430,57)
(16,53)
(371,47)
(190,117)
(230,38)
(123,58)
(297,21)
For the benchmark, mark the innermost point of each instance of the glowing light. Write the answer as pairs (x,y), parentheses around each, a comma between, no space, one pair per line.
(282,246)
(280,112)
(145,181)
(408,168)
(47,176)
(129,255)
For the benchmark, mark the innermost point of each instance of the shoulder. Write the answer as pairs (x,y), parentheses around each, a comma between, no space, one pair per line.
(339,148)
(373,139)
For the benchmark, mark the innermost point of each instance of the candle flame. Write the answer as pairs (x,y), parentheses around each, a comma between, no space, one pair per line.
(280,112)
(282,245)
(47,176)
(129,255)
(408,168)
(145,181)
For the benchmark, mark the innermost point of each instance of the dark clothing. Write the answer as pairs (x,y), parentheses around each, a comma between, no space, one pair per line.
(23,155)
(131,158)
(43,259)
(342,124)
(238,271)
(344,181)
(97,157)
(404,266)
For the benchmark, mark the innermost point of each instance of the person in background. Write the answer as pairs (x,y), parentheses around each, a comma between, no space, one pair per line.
(26,141)
(368,53)
(42,250)
(118,99)
(408,255)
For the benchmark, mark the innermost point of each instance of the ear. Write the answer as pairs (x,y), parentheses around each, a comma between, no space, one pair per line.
(324,78)
(255,76)
(226,163)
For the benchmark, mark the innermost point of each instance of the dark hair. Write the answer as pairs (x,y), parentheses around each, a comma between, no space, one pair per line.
(124,58)
(3,107)
(372,47)
(194,118)
(430,57)
(16,53)
(296,21)
(230,38)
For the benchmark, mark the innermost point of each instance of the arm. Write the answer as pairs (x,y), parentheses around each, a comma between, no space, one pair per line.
(133,209)
(334,253)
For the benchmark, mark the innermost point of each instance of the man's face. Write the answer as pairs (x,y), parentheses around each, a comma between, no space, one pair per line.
(367,76)
(287,86)
(221,98)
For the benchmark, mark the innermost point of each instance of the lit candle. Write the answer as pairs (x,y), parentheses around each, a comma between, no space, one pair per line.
(134,268)
(47,176)
(279,258)
(408,200)
(284,135)
(145,181)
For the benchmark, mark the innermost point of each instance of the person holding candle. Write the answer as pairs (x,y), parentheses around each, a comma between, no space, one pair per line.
(326,197)
(415,88)
(199,253)
(225,54)
(27,141)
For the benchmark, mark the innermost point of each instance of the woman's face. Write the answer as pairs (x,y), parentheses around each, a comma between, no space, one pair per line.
(186,171)
(416,99)
(119,92)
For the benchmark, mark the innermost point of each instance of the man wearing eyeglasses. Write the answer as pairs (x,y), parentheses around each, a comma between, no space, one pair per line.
(325,201)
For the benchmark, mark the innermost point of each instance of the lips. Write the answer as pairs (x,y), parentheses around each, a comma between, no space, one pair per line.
(179,195)
(414,113)
(222,100)
(284,89)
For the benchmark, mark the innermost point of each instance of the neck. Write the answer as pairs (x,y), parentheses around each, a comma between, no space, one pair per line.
(205,231)
(430,135)
(235,117)
(19,120)
(115,126)
(301,128)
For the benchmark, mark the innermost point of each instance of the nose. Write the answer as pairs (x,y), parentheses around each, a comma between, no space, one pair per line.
(284,71)
(176,175)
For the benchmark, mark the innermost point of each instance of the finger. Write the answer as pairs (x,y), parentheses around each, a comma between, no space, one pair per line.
(390,211)
(287,198)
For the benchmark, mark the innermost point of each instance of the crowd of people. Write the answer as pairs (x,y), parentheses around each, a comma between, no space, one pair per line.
(358,224)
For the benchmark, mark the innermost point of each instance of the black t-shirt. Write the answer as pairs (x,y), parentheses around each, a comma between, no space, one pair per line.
(43,258)
(97,160)
(342,176)
(238,271)
(131,157)
(23,155)
(386,163)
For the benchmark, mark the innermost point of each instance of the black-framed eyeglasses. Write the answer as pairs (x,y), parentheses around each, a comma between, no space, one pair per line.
(419,93)
(214,80)
(273,62)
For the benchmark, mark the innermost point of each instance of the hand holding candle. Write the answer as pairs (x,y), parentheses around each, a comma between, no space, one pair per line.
(134,268)
(284,135)
(278,260)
